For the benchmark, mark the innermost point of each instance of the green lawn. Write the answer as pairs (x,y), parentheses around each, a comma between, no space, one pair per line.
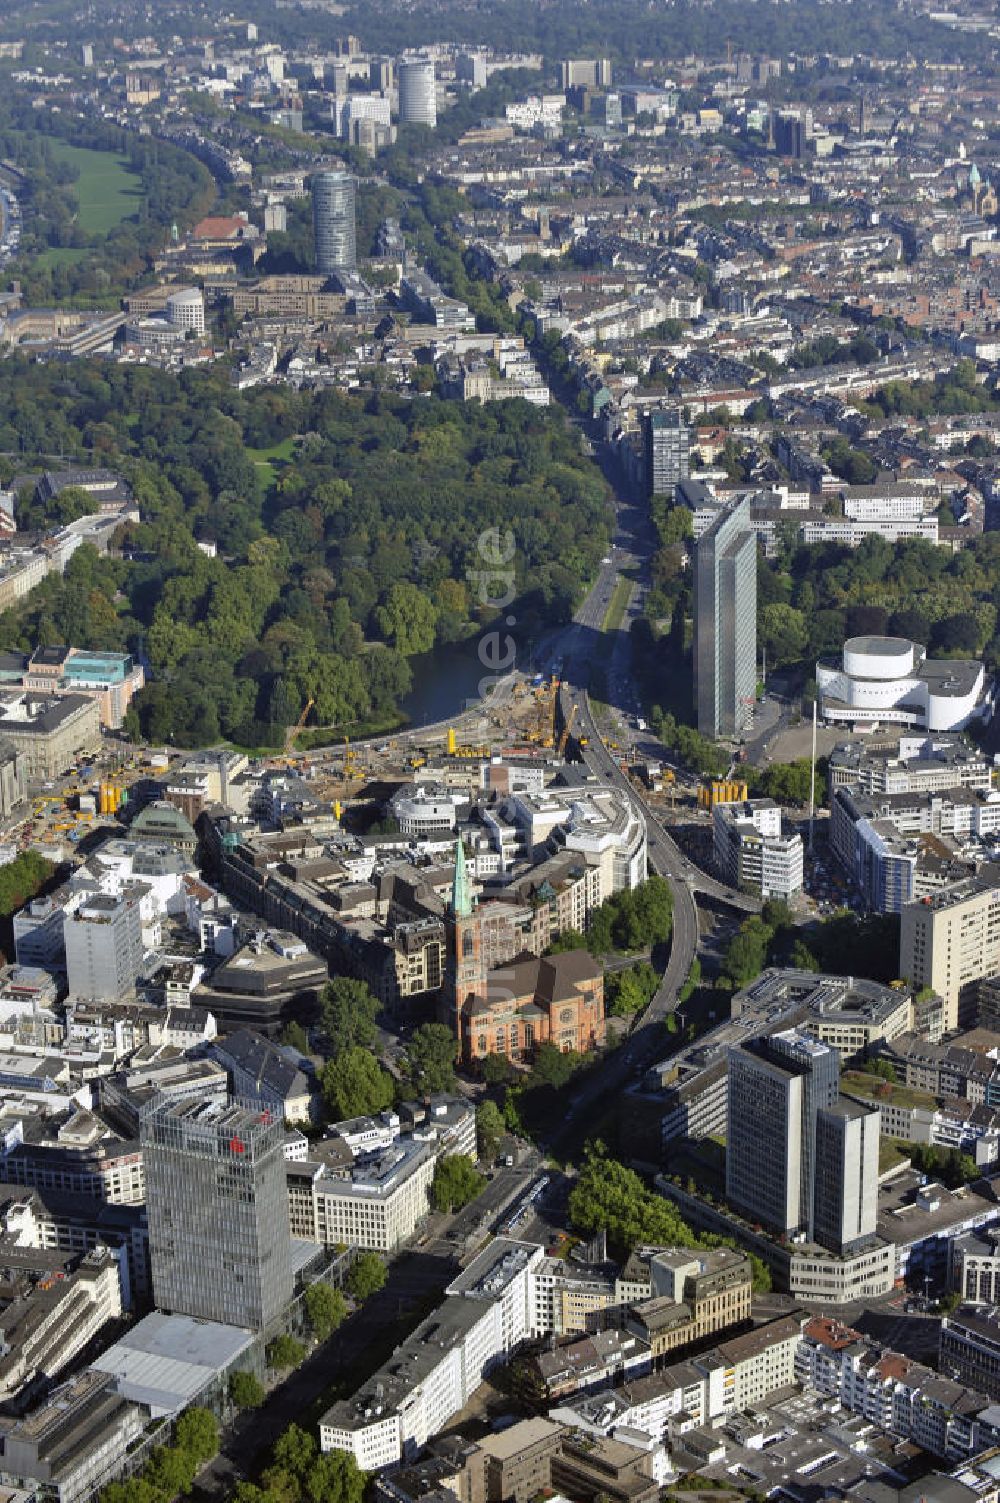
(60,255)
(617,604)
(273,458)
(872,1087)
(891,1151)
(107,189)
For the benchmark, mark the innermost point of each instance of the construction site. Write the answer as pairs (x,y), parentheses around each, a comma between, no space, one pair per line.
(522,719)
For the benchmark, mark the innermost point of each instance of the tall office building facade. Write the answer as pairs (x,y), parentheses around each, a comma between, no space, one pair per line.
(725,623)
(798,1159)
(585,73)
(217,1207)
(845,1193)
(333,222)
(667,445)
(417,91)
(103,939)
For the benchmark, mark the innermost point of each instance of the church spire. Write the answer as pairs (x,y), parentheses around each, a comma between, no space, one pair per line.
(461,897)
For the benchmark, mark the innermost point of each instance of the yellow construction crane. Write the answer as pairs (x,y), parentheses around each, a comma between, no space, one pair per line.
(350,761)
(566,730)
(295,731)
(548,699)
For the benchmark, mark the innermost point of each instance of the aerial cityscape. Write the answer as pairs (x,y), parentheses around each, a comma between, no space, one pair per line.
(499,751)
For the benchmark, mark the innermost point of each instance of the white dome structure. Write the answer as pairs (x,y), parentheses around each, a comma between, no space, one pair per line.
(891,681)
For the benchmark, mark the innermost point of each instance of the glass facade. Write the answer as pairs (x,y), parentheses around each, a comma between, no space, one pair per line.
(333,222)
(725,624)
(217,1208)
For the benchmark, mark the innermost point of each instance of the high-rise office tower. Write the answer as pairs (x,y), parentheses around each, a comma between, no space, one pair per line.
(103,939)
(217,1207)
(586,73)
(845,1189)
(417,91)
(667,444)
(798,1159)
(333,222)
(381,74)
(725,623)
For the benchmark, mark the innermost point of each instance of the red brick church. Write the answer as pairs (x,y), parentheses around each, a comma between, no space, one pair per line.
(521,1003)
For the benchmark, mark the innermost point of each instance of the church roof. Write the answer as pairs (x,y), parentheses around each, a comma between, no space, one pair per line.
(461,896)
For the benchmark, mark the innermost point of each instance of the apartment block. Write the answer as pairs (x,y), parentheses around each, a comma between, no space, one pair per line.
(950,941)
(431,1376)
(752,853)
(910,1401)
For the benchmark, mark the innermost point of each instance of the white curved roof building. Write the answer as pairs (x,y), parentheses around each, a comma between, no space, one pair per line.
(891,681)
(428,809)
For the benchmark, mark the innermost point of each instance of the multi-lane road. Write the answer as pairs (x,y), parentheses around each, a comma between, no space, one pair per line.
(570,653)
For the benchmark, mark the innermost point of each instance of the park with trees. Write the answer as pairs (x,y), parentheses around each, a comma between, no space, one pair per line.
(331,572)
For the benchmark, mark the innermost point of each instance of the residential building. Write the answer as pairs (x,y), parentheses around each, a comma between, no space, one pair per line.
(517,1463)
(898,847)
(728,1379)
(891,681)
(103,943)
(217,1207)
(933,1410)
(333,222)
(667,440)
(725,624)
(950,941)
(751,851)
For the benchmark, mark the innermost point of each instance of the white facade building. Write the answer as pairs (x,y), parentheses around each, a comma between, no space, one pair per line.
(186,310)
(427,1380)
(751,851)
(890,681)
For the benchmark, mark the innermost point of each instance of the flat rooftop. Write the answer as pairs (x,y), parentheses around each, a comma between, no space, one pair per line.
(167,1360)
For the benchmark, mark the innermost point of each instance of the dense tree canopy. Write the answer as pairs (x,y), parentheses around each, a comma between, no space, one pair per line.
(456,1182)
(355,1085)
(330,571)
